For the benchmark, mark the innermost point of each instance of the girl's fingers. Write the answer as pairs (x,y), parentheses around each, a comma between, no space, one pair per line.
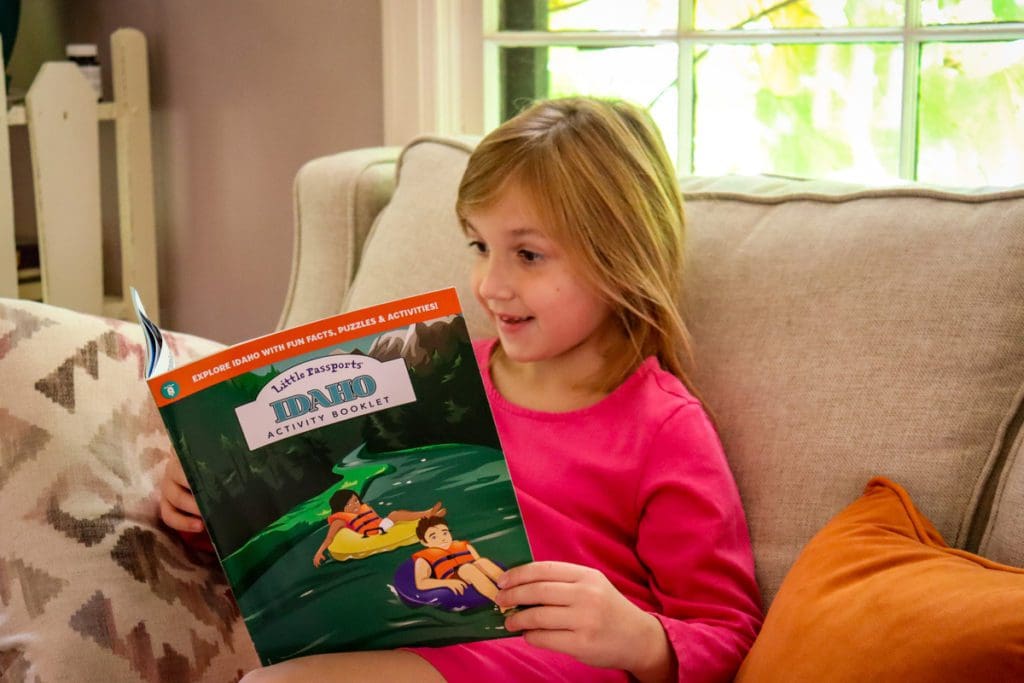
(538,593)
(176,473)
(542,618)
(178,507)
(181,498)
(559,641)
(177,520)
(542,571)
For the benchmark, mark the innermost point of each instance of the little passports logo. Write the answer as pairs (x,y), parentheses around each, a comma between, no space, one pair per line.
(322,392)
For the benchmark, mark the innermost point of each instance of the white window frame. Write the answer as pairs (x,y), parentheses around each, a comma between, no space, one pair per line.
(441,63)
(433,68)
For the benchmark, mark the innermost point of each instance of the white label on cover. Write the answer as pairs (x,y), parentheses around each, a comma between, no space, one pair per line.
(324,391)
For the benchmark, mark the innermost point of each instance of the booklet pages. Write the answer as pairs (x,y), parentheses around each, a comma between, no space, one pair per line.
(350,476)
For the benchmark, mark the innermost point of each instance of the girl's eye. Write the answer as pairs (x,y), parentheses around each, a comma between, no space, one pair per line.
(529,256)
(478,246)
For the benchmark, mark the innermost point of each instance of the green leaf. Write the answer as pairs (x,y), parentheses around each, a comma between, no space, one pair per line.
(1008,10)
(794,15)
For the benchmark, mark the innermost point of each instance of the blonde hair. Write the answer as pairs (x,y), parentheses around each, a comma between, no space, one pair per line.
(604,186)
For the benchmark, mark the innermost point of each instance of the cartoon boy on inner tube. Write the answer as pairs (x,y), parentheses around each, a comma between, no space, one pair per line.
(445,563)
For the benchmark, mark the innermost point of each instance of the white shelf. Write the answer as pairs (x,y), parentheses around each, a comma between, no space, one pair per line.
(105,111)
(62,115)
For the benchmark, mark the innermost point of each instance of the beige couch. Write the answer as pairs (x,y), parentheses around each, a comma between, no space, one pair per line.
(841,332)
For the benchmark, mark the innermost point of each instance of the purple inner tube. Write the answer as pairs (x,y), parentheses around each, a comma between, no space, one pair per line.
(442,598)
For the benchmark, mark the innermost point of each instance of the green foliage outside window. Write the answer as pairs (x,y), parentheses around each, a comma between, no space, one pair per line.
(813,88)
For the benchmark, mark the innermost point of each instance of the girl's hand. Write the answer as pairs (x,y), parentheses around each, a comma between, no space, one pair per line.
(579,612)
(455,585)
(178,506)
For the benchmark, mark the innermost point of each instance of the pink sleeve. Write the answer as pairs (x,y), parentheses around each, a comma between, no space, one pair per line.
(693,537)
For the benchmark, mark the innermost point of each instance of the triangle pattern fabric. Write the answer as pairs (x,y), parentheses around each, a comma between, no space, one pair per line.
(25,325)
(95,621)
(37,587)
(59,385)
(86,357)
(14,663)
(86,525)
(20,441)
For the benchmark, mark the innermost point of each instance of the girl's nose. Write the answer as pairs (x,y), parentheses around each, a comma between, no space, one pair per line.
(494,280)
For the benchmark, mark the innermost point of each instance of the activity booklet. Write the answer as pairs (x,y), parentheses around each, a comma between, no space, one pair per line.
(350,477)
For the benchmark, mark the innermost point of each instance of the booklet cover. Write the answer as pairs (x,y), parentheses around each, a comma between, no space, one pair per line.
(350,476)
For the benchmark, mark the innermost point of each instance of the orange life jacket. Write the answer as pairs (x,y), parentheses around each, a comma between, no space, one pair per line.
(444,563)
(365,521)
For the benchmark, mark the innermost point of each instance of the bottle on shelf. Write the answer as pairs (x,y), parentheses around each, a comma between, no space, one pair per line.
(85,56)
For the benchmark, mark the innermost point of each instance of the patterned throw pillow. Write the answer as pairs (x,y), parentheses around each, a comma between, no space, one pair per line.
(92,586)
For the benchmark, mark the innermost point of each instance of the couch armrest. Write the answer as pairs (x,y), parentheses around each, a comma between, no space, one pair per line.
(337,198)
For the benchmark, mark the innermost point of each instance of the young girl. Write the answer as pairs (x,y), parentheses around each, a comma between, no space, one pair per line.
(643,560)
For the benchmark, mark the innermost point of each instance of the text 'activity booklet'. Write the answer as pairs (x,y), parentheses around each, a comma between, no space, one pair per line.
(350,476)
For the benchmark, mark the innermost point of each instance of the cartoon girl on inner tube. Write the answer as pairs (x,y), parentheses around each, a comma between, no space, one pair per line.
(349,512)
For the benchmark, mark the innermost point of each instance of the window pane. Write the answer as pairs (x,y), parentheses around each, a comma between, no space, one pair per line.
(830,110)
(589,15)
(971,115)
(643,75)
(971,11)
(768,14)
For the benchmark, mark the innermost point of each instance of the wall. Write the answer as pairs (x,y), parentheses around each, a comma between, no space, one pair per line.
(243,93)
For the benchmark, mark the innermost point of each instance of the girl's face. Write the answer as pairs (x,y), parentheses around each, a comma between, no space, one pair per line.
(541,306)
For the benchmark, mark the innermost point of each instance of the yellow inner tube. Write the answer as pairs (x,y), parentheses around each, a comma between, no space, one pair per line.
(348,545)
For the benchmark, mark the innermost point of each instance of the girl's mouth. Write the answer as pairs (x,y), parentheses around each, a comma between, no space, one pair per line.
(512,322)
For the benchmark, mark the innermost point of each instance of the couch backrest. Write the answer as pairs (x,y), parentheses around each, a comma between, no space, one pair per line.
(841,332)
(844,333)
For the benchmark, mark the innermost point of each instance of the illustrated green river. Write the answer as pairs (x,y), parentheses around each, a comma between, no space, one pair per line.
(293,609)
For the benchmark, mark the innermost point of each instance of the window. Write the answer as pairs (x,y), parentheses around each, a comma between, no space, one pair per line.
(865,90)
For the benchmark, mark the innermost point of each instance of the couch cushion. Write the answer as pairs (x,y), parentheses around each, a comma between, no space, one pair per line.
(877,595)
(418,233)
(92,587)
(336,200)
(843,333)
(1004,536)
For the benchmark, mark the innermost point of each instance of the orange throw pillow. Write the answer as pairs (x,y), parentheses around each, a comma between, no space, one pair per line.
(877,595)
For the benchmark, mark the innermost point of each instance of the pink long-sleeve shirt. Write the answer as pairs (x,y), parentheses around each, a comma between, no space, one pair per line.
(638,487)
